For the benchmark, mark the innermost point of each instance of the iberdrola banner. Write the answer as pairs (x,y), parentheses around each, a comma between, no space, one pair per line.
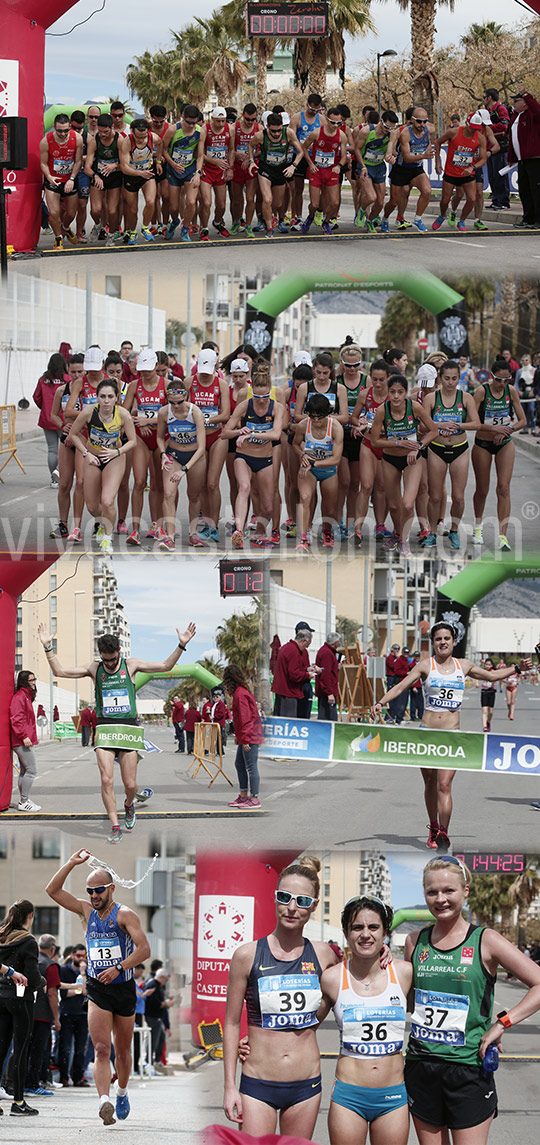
(386,744)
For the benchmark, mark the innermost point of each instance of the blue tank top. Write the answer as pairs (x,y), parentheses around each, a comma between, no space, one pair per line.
(283,995)
(107,944)
(305,128)
(182,431)
(258,422)
(417,144)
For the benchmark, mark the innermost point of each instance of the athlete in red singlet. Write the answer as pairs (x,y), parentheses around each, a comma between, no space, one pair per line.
(216,144)
(464,143)
(326,153)
(60,155)
(211,395)
(145,397)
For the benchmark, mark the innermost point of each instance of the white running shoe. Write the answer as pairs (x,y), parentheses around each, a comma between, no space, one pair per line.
(27,805)
(478,536)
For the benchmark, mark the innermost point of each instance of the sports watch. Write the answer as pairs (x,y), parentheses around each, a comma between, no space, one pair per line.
(503,1018)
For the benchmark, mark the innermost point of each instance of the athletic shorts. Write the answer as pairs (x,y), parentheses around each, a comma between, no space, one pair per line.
(351,445)
(255,463)
(491,446)
(275,176)
(377,172)
(448,453)
(301,169)
(212,437)
(118,998)
(110,182)
(58,189)
(324,177)
(323,472)
(182,456)
(401,176)
(395,460)
(232,445)
(444,1093)
(213,175)
(376,452)
(242,175)
(458,180)
(134,183)
(83,188)
(149,439)
(479,175)
(280,1094)
(487,698)
(176,180)
(369,1103)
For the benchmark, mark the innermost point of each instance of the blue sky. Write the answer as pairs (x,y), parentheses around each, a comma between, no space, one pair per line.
(90,63)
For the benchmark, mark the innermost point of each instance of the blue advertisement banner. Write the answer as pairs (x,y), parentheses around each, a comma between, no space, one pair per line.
(297,739)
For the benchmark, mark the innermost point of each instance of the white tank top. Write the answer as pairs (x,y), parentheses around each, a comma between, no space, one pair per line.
(443,692)
(371,1027)
(319,447)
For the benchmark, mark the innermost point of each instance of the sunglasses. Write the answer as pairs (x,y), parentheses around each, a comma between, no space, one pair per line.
(63,130)
(191,122)
(303,902)
(250,118)
(98,890)
(419,120)
(92,117)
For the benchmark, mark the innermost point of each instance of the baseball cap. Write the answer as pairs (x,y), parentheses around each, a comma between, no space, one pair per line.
(285,118)
(484,115)
(475,119)
(239,365)
(93,358)
(206,361)
(303,624)
(426,376)
(218,112)
(302,358)
(147,360)
(405,650)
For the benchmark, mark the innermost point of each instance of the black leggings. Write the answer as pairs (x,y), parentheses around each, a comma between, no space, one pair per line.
(17,1023)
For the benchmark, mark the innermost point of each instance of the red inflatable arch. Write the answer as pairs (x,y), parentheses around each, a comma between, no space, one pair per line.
(22,34)
(15,577)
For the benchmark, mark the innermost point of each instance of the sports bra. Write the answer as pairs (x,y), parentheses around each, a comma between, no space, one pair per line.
(317,448)
(371,1027)
(444,691)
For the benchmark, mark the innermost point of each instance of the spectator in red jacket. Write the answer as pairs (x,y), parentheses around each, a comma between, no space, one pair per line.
(192,717)
(249,734)
(219,713)
(86,726)
(177,717)
(55,375)
(401,669)
(292,673)
(174,365)
(500,123)
(326,683)
(524,149)
(391,678)
(22,722)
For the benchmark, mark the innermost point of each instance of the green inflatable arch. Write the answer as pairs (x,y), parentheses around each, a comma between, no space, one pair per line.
(408,914)
(193,671)
(456,598)
(424,288)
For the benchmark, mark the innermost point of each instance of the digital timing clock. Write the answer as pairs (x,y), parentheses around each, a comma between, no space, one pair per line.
(491,862)
(287,19)
(242,577)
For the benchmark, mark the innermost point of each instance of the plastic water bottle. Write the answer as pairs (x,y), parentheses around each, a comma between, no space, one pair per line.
(491,1060)
(79,982)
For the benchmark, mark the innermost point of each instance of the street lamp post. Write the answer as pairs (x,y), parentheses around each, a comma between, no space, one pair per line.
(389,52)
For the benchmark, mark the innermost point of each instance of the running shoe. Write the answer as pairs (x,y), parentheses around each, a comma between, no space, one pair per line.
(252,523)
(250,803)
(327,538)
(60,530)
(130,238)
(454,539)
(404,549)
(452,218)
(370,227)
(423,536)
(147,234)
(270,234)
(360,217)
(238,802)
(58,245)
(27,805)
(248,231)
(259,540)
(185,236)
(282,228)
(504,544)
(154,531)
(437,223)
(121,526)
(478,536)
(106,1112)
(358,538)
(433,830)
(81,237)
(171,227)
(221,229)
(430,541)
(212,534)
(114,837)
(237,539)
(94,233)
(326,228)
(441,531)
(122,1106)
(420,226)
(236,227)
(392,542)
(22,1110)
(442,841)
(343,532)
(402,224)
(204,235)
(144,794)
(260,225)
(75,536)
(106,545)
(385,227)
(296,225)
(479,225)
(376,221)
(318,218)
(290,529)
(103,232)
(129,816)
(195,542)
(167,544)
(535,804)
(334,224)
(39,1091)
(382,533)
(70,236)
(303,544)
(460,225)
(134,538)
(274,538)
(306,224)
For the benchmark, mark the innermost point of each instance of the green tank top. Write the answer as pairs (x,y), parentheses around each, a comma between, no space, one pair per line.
(115,696)
(274,153)
(353,392)
(404,427)
(453,998)
(105,153)
(455,412)
(183,148)
(496,411)
(374,149)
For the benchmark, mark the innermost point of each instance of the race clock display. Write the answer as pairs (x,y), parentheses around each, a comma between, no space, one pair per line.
(491,862)
(287,20)
(242,577)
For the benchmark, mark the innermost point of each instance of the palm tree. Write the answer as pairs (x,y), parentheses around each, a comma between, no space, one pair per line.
(425,85)
(478,35)
(348,628)
(233,18)
(522,893)
(150,78)
(239,640)
(313,56)
(403,319)
(208,58)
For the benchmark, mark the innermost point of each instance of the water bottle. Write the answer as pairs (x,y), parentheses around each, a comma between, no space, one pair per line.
(79,983)
(491,1060)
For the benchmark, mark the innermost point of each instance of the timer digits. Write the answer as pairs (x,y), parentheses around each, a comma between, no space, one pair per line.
(242,577)
(489,862)
(285,19)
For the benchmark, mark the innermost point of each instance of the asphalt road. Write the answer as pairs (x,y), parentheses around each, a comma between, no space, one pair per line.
(304,804)
(29,510)
(517,1081)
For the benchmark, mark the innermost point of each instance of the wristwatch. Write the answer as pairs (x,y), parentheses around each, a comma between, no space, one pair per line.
(118,966)
(503,1018)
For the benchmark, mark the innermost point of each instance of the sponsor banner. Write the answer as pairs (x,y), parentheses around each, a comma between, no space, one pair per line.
(518,754)
(298,738)
(121,737)
(148,746)
(225,921)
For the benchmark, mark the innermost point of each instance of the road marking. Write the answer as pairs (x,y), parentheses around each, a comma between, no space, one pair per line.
(297,783)
(320,771)
(334,763)
(460,242)
(25,496)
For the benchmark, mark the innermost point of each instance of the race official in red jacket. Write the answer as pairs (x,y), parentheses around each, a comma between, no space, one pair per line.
(249,735)
(292,673)
(22,722)
(524,149)
(326,683)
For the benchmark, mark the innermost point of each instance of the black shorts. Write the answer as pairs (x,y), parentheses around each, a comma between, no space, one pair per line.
(401,176)
(487,697)
(491,446)
(351,445)
(448,453)
(255,463)
(275,176)
(182,456)
(459,180)
(110,182)
(58,188)
(135,182)
(395,460)
(301,169)
(443,1093)
(119,998)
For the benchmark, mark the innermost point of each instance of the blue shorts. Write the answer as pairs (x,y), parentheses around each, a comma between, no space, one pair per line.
(176,180)
(377,172)
(369,1103)
(84,185)
(324,471)
(280,1094)
(182,456)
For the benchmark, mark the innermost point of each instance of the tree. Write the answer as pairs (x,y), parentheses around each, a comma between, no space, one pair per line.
(239,639)
(312,56)
(175,330)
(402,321)
(233,17)
(488,898)
(479,35)
(347,628)
(210,58)
(522,893)
(423,75)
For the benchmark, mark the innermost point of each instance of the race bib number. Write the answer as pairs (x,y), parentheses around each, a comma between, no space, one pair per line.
(103,163)
(325,159)
(439,1017)
(115,702)
(373,157)
(289,1001)
(218,152)
(373,1031)
(102,956)
(183,157)
(497,417)
(462,159)
(208,412)
(63,167)
(275,159)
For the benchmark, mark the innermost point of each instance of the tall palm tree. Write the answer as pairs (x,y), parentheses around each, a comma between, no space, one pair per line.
(150,78)
(238,640)
(312,56)
(424,79)
(233,17)
(478,35)
(522,893)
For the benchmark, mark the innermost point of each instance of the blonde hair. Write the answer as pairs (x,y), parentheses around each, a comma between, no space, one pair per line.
(350,348)
(307,867)
(261,374)
(450,863)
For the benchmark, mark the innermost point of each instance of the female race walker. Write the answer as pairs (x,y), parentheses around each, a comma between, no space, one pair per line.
(184,451)
(454,972)
(444,685)
(256,426)
(487,695)
(318,443)
(501,414)
(453,412)
(279,979)
(370,1004)
(103,449)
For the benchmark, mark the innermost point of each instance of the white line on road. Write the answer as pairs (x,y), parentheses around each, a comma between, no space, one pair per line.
(25,496)
(461,242)
(320,771)
(297,783)
(335,763)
